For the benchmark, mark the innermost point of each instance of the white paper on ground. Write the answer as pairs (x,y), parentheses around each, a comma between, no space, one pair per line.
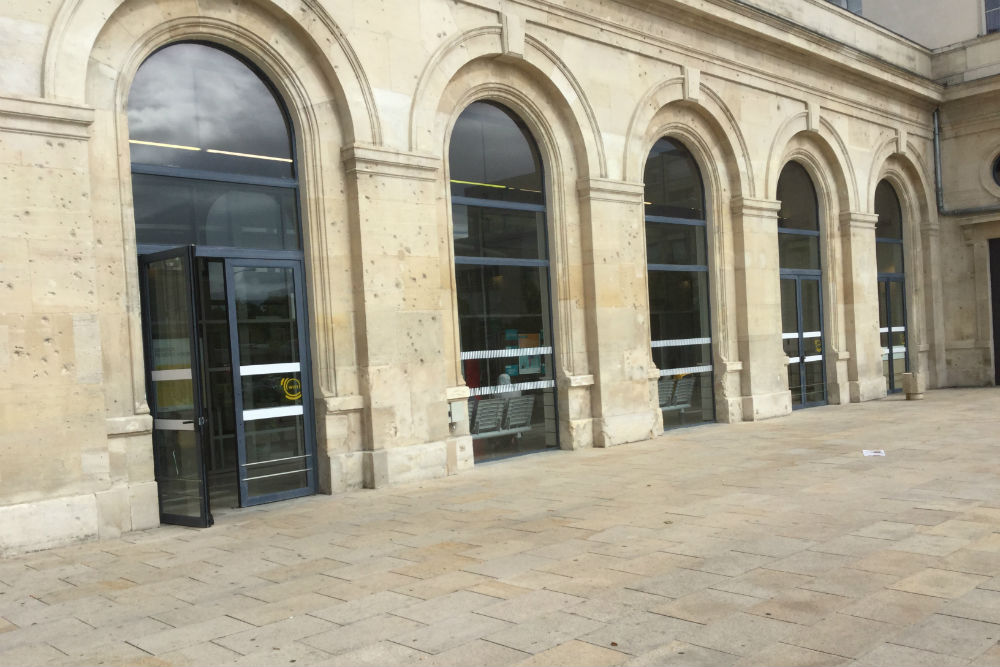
(873,452)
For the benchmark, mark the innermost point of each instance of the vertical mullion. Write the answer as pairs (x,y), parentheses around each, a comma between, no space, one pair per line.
(234,351)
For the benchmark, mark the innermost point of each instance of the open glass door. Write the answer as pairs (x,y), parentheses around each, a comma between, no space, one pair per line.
(273,392)
(173,386)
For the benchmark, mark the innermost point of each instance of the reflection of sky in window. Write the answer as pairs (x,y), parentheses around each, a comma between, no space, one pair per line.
(487,146)
(798,199)
(199,96)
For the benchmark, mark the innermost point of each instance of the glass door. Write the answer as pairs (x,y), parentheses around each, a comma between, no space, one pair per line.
(271,384)
(892,331)
(802,338)
(173,386)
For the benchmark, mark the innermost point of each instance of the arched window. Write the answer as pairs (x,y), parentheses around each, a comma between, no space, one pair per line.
(212,155)
(801,286)
(891,286)
(221,273)
(677,262)
(502,278)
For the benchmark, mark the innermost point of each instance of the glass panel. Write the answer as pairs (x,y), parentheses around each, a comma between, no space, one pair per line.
(678,305)
(889,212)
(493,156)
(883,323)
(811,307)
(265,315)
(498,232)
(511,423)
(795,383)
(173,403)
(195,106)
(276,458)
(799,208)
(789,308)
(221,459)
(673,183)
(900,361)
(686,398)
(815,388)
(675,244)
(497,304)
(798,251)
(180,211)
(889,257)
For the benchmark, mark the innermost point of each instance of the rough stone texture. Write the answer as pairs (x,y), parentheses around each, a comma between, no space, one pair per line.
(373,89)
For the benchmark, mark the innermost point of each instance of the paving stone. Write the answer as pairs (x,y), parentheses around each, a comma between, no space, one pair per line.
(978,604)
(678,583)
(988,658)
(504,567)
(849,582)
(453,632)
(898,563)
(732,563)
(684,655)
(961,637)
(609,606)
(476,652)
(521,608)
(655,563)
(843,635)
(638,632)
(811,563)
(289,654)
(781,654)
(986,563)
(704,606)
(544,632)
(931,545)
(196,655)
(939,583)
(580,654)
(894,655)
(895,607)
(797,605)
(740,634)
(442,608)
(887,530)
(362,633)
(762,583)
(271,637)
(175,638)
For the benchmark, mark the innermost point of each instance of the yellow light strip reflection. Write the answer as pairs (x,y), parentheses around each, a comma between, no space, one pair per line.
(160,145)
(494,185)
(250,155)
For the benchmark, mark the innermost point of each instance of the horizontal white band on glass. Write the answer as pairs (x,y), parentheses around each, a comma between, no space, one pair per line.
(805,334)
(270,413)
(173,425)
(686,371)
(897,353)
(814,357)
(508,352)
(171,374)
(892,330)
(508,388)
(278,474)
(681,342)
(269,369)
(287,458)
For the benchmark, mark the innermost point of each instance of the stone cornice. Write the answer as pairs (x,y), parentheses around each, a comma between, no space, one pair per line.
(856,220)
(50,119)
(606,189)
(760,207)
(374,160)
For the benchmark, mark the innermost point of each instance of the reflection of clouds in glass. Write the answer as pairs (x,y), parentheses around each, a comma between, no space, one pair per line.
(488,147)
(196,95)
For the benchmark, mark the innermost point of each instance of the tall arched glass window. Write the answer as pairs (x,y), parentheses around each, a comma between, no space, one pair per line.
(801,286)
(222,279)
(677,262)
(211,153)
(891,286)
(502,279)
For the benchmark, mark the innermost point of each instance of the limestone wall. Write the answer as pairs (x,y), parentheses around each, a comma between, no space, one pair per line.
(374,88)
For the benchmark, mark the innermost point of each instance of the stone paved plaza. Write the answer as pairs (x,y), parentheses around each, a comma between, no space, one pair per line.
(772,543)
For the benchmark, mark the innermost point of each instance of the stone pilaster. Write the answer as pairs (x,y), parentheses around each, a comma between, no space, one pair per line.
(764,382)
(860,299)
(614,252)
(405,307)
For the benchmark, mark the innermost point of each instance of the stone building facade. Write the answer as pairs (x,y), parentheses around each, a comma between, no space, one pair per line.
(372,93)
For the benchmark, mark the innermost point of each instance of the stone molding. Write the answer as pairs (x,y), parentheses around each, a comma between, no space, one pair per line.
(49,119)
(129,425)
(377,161)
(749,206)
(459,393)
(576,381)
(338,404)
(855,220)
(606,189)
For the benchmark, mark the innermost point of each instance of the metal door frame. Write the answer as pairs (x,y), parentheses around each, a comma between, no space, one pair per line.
(187,254)
(887,279)
(798,275)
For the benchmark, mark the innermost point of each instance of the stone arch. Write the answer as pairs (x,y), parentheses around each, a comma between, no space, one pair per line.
(824,141)
(919,208)
(718,123)
(309,94)
(723,179)
(539,63)
(70,48)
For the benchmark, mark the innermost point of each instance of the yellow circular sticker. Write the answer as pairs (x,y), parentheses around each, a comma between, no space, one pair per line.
(292,387)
